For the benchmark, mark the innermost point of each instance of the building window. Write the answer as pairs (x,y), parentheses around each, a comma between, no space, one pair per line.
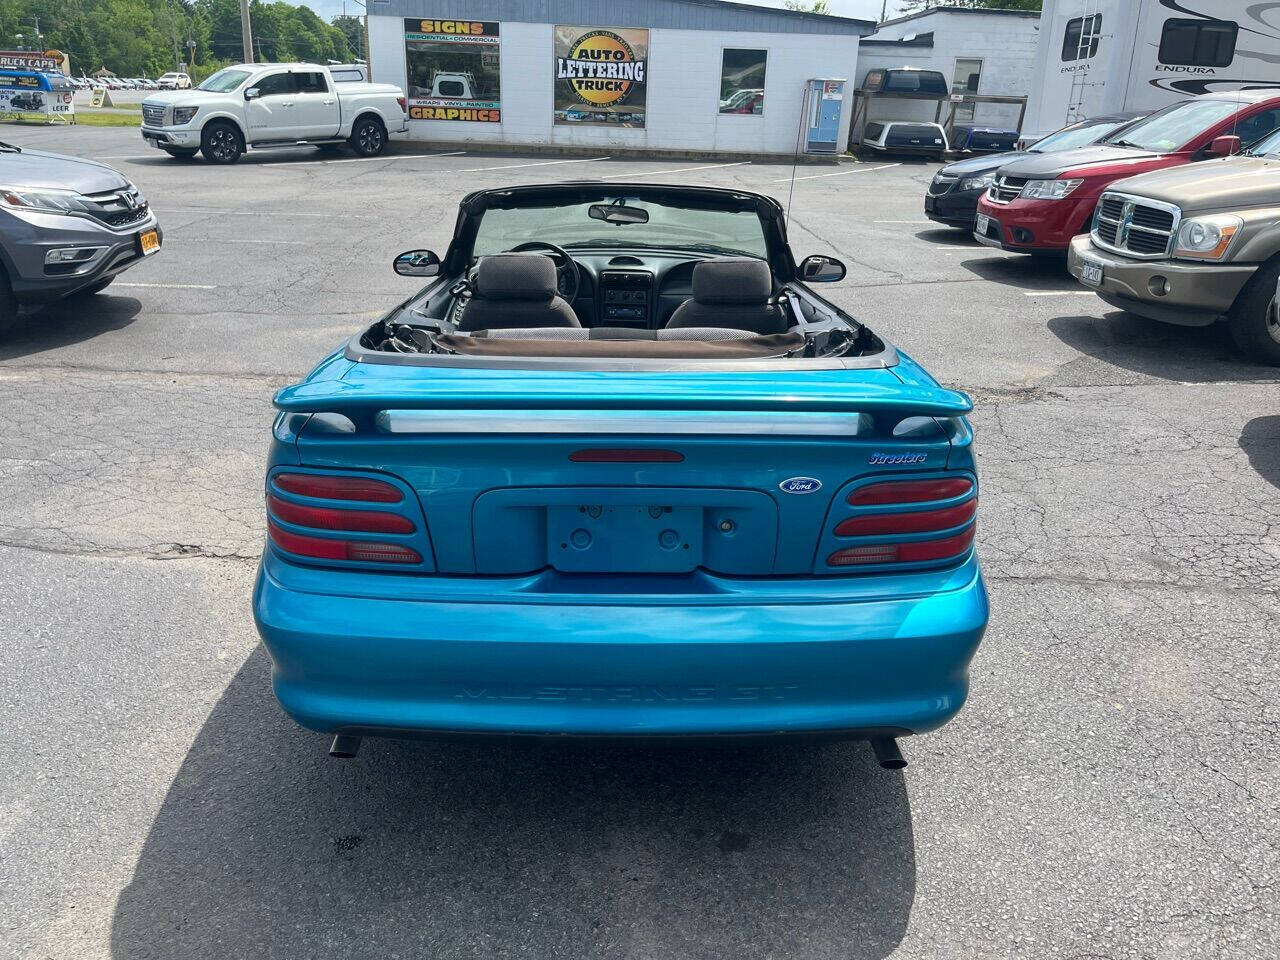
(965,81)
(1198,43)
(742,81)
(1080,42)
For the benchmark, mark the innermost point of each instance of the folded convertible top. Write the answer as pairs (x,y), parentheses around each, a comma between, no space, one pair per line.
(641,344)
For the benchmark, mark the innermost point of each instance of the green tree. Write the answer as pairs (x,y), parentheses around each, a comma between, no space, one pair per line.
(136,37)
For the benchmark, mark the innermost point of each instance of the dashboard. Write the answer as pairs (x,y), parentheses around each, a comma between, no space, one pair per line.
(631,289)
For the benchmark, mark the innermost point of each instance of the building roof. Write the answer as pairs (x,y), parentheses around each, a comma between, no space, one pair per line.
(997,11)
(723,15)
(913,40)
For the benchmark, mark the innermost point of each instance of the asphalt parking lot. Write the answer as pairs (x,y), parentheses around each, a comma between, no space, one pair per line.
(1109,791)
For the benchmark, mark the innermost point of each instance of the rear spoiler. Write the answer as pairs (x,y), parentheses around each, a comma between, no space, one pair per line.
(572,406)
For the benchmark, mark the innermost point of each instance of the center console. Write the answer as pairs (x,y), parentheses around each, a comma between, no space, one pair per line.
(626,298)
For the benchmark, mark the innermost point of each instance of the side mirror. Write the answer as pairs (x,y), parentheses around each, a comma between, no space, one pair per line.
(822,269)
(1224,146)
(253,93)
(417,263)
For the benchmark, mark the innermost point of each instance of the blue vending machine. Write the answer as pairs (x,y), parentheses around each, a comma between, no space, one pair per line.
(824,99)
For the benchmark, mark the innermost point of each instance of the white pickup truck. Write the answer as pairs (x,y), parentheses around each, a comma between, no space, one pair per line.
(273,105)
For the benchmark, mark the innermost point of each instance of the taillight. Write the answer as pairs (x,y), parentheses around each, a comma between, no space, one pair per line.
(921,521)
(910,491)
(325,549)
(404,104)
(917,551)
(338,488)
(328,518)
(295,510)
(910,526)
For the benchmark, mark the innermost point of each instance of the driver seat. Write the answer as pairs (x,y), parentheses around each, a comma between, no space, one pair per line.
(516,290)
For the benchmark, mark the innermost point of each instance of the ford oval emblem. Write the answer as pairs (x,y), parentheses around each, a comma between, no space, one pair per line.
(800,485)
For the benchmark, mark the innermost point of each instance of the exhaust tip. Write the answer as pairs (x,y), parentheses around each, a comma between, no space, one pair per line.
(344,746)
(887,753)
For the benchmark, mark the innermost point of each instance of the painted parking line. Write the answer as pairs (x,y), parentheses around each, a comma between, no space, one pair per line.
(171,286)
(658,173)
(295,213)
(539,163)
(902,221)
(398,156)
(1057,293)
(840,173)
(293,243)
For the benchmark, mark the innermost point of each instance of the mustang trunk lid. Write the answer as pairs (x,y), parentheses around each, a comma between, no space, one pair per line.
(644,473)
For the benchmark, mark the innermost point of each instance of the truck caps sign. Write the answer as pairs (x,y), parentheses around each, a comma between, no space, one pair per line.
(601,75)
(453,70)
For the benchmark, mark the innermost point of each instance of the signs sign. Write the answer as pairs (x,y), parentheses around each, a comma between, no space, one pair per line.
(453,68)
(601,75)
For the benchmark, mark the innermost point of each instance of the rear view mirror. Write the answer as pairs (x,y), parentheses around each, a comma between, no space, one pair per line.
(1224,147)
(822,269)
(617,213)
(417,263)
(253,93)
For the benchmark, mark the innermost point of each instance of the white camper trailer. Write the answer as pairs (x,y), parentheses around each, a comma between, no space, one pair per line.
(1107,56)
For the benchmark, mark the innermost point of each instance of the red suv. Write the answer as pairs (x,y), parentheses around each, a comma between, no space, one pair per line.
(1037,204)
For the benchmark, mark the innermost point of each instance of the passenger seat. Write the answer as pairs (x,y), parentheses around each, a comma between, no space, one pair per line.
(734,293)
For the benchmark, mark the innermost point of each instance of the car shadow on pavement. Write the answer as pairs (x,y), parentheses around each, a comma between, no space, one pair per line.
(1033,273)
(1260,441)
(266,847)
(1162,350)
(949,236)
(65,322)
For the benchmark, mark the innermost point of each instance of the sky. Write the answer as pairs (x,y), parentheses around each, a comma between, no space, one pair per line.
(864,9)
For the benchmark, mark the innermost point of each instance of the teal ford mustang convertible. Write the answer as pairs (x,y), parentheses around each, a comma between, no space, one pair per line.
(618,471)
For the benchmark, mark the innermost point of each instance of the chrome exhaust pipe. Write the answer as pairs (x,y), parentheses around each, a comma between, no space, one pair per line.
(344,746)
(887,753)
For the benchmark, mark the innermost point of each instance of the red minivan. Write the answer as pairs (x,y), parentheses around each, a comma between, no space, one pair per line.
(1037,204)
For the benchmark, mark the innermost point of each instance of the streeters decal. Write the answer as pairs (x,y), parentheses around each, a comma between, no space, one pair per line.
(452,69)
(601,75)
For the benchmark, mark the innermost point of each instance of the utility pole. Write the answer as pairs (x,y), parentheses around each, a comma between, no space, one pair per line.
(246,32)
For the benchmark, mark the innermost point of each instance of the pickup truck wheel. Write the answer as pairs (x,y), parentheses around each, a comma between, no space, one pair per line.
(1254,320)
(220,142)
(368,137)
(180,154)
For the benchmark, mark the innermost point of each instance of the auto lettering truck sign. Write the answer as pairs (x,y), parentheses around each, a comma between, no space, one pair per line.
(453,70)
(601,75)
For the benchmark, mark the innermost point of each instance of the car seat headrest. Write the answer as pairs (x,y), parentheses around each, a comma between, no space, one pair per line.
(516,276)
(732,280)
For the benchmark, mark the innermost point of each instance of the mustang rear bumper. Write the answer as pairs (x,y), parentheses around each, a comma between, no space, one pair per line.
(499,656)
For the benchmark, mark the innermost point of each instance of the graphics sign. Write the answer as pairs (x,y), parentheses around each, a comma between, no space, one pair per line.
(452,68)
(601,75)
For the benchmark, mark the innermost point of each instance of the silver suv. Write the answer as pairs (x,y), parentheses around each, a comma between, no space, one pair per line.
(67,226)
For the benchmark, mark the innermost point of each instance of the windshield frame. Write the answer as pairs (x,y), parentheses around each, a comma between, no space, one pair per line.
(1121,137)
(244,75)
(768,211)
(1113,126)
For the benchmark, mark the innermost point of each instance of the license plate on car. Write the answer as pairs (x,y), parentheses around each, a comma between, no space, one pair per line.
(1091,273)
(149,241)
(929,204)
(981,224)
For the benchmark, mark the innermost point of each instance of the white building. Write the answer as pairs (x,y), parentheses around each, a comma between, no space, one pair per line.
(688,76)
(977,51)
